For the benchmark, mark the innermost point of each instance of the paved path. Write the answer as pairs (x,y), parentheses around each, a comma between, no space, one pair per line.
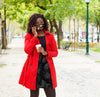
(78,75)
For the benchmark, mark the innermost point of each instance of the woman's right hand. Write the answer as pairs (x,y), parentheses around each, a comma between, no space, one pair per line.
(34,31)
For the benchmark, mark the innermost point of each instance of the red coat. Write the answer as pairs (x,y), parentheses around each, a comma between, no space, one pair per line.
(29,71)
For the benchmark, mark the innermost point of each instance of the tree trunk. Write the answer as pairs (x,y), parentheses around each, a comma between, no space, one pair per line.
(5,23)
(0,32)
(57,31)
(99,32)
(77,33)
(51,26)
(8,38)
(60,30)
(69,30)
(74,33)
(4,46)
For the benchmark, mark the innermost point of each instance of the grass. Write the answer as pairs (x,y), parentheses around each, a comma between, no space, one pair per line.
(2,65)
(98,61)
(95,49)
(72,50)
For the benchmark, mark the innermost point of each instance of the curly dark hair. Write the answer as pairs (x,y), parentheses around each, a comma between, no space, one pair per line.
(32,22)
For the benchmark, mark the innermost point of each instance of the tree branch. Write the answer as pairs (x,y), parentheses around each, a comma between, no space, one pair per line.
(37,4)
(41,7)
(50,1)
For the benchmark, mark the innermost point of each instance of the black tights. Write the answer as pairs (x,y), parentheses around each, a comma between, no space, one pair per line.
(50,92)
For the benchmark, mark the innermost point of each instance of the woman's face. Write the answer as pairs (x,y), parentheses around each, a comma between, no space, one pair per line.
(39,24)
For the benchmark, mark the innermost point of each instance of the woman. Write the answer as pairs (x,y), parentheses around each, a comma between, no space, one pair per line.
(39,70)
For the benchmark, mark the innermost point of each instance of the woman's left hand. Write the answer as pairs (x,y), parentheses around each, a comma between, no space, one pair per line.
(41,50)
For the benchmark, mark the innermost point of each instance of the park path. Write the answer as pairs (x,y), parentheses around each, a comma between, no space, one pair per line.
(78,75)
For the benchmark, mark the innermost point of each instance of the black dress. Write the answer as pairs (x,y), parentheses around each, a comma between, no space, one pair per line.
(43,74)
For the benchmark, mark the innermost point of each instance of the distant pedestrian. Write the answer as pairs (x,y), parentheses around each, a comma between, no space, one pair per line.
(39,70)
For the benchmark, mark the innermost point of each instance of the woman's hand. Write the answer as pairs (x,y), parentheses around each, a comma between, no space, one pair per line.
(34,31)
(41,50)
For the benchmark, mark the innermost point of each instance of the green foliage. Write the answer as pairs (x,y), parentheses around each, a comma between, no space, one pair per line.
(20,10)
(81,45)
(2,65)
(95,49)
(98,61)
(64,43)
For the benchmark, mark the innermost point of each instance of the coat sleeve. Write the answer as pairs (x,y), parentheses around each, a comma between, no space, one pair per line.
(54,50)
(29,43)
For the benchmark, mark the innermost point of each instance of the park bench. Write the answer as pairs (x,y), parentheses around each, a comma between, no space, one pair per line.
(67,46)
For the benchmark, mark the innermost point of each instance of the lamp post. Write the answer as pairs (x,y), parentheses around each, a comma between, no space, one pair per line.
(97,34)
(74,31)
(87,42)
(1,2)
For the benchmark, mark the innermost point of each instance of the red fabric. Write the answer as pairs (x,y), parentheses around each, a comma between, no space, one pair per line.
(29,70)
